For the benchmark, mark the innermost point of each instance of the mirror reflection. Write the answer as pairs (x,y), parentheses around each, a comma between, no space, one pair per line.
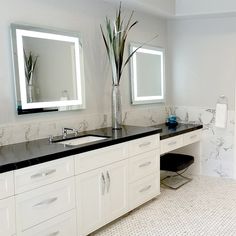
(48,69)
(147,74)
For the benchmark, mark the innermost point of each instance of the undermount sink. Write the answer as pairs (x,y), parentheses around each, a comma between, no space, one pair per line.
(82,140)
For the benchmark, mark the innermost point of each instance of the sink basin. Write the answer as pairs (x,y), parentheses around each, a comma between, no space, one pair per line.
(82,140)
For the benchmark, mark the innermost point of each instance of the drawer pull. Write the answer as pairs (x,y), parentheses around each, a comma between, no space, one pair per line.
(103,184)
(193,136)
(46,202)
(43,174)
(145,189)
(148,163)
(108,181)
(144,144)
(54,233)
(172,143)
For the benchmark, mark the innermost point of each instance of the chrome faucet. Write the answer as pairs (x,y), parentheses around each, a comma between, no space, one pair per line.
(65,132)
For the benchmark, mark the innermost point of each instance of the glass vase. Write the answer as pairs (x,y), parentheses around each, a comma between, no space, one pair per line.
(30,93)
(116,108)
(30,89)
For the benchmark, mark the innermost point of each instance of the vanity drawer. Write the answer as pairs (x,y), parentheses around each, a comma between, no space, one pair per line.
(144,190)
(6,185)
(100,157)
(63,225)
(192,137)
(144,164)
(44,203)
(42,174)
(7,217)
(142,145)
(170,144)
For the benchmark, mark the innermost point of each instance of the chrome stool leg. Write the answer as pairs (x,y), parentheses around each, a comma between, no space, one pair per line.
(173,176)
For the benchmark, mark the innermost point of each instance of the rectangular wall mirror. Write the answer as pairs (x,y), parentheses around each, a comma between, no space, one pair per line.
(147,74)
(48,66)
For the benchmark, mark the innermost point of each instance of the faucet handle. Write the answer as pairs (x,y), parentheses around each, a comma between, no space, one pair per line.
(76,131)
(50,138)
(65,131)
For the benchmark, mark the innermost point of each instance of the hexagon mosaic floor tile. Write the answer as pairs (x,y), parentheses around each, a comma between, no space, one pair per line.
(204,207)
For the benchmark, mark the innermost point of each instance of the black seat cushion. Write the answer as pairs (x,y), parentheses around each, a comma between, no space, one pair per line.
(175,162)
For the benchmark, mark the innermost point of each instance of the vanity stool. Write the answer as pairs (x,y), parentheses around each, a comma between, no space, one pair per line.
(175,162)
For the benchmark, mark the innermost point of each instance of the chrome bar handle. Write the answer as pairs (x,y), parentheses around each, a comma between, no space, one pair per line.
(145,164)
(103,184)
(46,202)
(144,144)
(43,174)
(54,233)
(145,189)
(108,181)
(172,143)
(50,138)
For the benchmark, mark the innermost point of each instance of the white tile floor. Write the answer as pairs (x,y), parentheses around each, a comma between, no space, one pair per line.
(204,207)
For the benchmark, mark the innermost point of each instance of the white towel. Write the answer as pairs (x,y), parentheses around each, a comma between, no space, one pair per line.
(221,115)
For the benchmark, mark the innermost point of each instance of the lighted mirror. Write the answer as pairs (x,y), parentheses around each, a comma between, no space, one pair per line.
(147,74)
(48,67)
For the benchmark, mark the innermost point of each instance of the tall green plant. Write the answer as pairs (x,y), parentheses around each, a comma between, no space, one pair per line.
(115,41)
(30,63)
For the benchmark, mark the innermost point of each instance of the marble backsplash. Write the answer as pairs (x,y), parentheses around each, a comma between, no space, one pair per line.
(21,132)
(217,144)
(217,158)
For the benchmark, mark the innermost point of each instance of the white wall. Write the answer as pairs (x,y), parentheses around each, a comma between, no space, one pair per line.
(84,16)
(164,8)
(203,61)
(202,57)
(199,7)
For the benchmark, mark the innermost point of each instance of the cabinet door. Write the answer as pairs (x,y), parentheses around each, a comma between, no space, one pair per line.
(6,185)
(116,203)
(90,189)
(7,217)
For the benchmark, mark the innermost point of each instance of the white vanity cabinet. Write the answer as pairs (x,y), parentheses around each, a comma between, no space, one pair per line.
(101,186)
(45,194)
(6,184)
(7,205)
(107,186)
(42,204)
(63,225)
(76,195)
(7,217)
(43,174)
(178,141)
(101,196)
(144,170)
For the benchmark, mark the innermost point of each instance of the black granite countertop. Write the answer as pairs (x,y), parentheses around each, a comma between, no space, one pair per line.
(20,155)
(181,128)
(25,154)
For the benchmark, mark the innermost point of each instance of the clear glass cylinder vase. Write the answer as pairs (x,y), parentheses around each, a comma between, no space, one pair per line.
(30,93)
(30,89)
(116,108)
